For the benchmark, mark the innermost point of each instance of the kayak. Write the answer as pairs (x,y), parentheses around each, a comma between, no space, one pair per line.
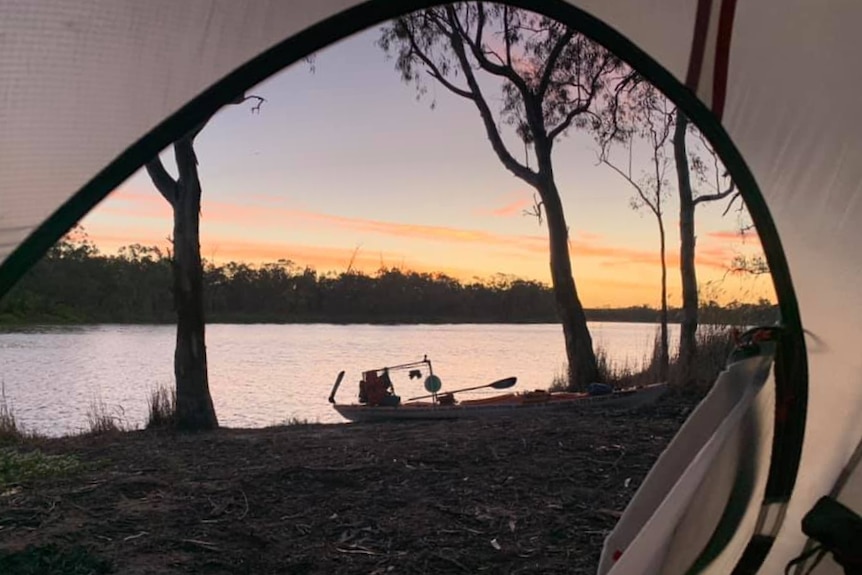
(388,407)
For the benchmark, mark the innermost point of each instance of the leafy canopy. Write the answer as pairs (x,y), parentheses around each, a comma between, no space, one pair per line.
(551,78)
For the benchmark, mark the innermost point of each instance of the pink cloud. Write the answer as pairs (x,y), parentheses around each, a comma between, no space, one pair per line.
(512,209)
(734,236)
(516,203)
(582,244)
(588,236)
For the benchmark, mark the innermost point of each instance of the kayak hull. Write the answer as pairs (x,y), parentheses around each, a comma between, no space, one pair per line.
(503,405)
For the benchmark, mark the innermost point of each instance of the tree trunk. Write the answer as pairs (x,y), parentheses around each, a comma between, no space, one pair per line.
(664,354)
(688,329)
(194,405)
(582,369)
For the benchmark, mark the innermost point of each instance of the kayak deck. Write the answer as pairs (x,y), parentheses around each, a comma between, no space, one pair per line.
(507,404)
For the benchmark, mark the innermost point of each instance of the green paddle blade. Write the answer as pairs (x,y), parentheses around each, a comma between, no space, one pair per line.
(503,383)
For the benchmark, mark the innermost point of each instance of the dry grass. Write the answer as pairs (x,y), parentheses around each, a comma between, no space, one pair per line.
(560,382)
(102,419)
(162,408)
(615,373)
(10,431)
(714,344)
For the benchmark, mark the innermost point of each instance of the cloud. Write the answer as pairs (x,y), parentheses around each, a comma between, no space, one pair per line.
(129,202)
(124,202)
(220,249)
(583,245)
(515,208)
(516,203)
(750,237)
(588,236)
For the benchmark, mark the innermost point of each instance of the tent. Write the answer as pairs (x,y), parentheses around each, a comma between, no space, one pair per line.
(91,89)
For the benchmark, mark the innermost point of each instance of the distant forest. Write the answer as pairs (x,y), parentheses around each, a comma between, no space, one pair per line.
(74,283)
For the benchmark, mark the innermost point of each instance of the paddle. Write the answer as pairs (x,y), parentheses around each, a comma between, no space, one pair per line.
(499,384)
(335,387)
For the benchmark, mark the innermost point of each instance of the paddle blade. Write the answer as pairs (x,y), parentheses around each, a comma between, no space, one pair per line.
(335,387)
(504,383)
(499,384)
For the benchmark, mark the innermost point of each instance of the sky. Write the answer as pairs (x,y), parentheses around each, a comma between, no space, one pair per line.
(344,165)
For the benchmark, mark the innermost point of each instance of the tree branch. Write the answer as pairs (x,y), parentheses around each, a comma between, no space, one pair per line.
(476,49)
(584,106)
(507,38)
(570,117)
(432,69)
(163,181)
(254,109)
(733,199)
(552,62)
(184,150)
(640,192)
(497,143)
(614,105)
(449,85)
(717,196)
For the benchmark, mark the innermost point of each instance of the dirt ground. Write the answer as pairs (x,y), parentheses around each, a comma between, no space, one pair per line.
(494,496)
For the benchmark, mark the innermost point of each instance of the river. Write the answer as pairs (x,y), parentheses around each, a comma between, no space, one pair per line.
(264,374)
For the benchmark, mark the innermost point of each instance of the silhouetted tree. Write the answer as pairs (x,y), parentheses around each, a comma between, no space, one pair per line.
(712,176)
(553,79)
(195,409)
(651,121)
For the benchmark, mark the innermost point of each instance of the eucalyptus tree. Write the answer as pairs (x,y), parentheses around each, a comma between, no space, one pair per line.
(551,80)
(651,120)
(194,404)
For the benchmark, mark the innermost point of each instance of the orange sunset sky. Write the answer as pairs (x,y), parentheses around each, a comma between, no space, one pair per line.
(344,164)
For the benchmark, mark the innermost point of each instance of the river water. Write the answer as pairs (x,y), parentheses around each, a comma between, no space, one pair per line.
(265,374)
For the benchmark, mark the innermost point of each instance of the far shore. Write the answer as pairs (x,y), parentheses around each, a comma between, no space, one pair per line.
(607,317)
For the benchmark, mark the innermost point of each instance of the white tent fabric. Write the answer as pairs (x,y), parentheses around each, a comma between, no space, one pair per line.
(703,454)
(675,514)
(83,81)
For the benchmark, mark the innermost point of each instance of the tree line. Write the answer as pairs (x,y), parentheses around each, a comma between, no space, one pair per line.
(75,283)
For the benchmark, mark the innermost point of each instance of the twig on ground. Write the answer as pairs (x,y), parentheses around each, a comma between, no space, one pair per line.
(202,544)
(245,511)
(136,536)
(357,550)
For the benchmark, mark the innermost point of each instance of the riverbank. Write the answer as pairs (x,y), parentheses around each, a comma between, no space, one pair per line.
(502,496)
